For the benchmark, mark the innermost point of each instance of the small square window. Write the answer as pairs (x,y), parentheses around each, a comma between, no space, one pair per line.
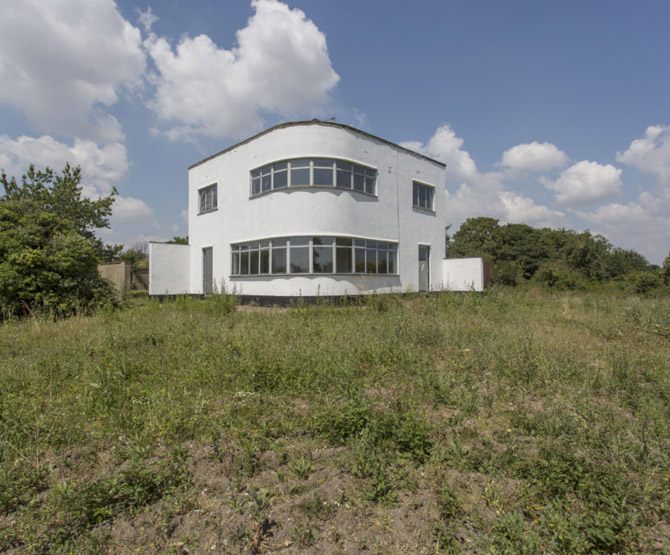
(207,199)
(422,196)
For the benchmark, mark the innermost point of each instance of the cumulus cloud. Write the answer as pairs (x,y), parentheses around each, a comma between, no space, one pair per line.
(477,193)
(63,61)
(130,209)
(643,224)
(445,146)
(101,166)
(280,65)
(651,154)
(522,209)
(586,182)
(536,157)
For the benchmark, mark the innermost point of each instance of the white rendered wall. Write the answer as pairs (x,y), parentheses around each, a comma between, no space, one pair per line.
(169,269)
(463,274)
(316,211)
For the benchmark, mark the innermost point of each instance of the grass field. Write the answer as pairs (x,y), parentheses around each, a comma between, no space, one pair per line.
(509,422)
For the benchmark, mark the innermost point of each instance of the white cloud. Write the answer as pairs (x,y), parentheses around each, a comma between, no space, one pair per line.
(534,157)
(522,209)
(643,225)
(586,182)
(61,61)
(445,146)
(101,166)
(650,154)
(479,194)
(127,209)
(280,65)
(146,18)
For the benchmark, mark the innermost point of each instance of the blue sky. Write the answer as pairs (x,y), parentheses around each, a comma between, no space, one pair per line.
(549,113)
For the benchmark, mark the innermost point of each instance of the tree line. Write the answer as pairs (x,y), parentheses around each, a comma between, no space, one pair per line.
(555,258)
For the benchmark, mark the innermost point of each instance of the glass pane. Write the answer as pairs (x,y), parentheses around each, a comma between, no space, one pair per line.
(392,246)
(343,260)
(343,241)
(343,179)
(280,180)
(279,242)
(371,244)
(392,262)
(371,261)
(280,166)
(300,163)
(256,173)
(343,165)
(253,263)
(323,163)
(382,262)
(359,182)
(300,177)
(244,263)
(322,240)
(415,194)
(265,262)
(323,260)
(369,184)
(256,186)
(279,260)
(323,177)
(236,264)
(299,260)
(265,244)
(266,180)
(359,242)
(360,261)
(429,198)
(423,253)
(298,241)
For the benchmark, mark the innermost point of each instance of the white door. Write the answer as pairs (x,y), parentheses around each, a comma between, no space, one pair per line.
(424,268)
(207,271)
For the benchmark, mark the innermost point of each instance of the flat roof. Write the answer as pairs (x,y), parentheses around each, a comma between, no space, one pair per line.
(319,122)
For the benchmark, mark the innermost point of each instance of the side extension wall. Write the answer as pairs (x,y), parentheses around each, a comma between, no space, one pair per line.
(169,269)
(464,274)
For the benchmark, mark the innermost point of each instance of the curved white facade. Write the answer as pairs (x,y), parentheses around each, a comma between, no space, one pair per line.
(390,216)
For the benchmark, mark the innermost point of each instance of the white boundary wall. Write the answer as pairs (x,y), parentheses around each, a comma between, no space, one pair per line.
(169,269)
(463,274)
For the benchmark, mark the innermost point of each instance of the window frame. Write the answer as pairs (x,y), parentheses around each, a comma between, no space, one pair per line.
(203,194)
(316,165)
(338,246)
(419,186)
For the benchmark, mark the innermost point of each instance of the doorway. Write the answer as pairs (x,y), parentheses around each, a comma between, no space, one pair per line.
(424,268)
(207,271)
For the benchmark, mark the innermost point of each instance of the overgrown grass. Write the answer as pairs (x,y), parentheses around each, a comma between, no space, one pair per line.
(513,421)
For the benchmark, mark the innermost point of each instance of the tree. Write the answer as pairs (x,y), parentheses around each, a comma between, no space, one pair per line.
(48,248)
(476,237)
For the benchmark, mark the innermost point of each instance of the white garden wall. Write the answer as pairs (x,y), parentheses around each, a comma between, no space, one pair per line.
(169,269)
(464,274)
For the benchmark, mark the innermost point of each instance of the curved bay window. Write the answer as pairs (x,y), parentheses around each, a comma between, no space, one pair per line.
(314,172)
(314,255)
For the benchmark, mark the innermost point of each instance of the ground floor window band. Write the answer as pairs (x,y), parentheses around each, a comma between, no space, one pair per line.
(314,255)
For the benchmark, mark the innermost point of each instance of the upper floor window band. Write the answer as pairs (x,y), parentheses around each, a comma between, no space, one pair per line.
(313,172)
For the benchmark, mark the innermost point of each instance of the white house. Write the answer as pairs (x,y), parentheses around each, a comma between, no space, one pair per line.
(311,208)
